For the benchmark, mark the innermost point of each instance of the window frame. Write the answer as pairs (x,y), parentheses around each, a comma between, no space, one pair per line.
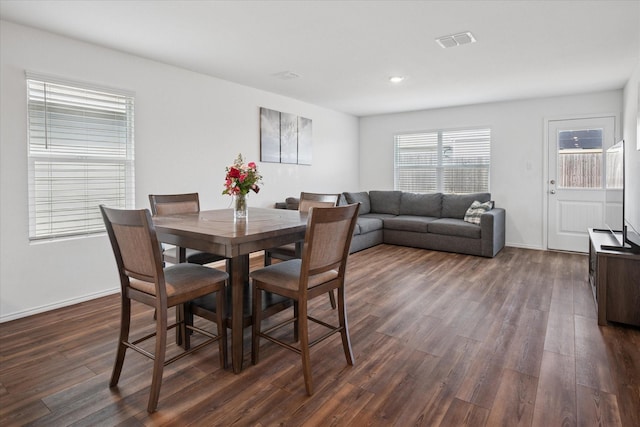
(436,141)
(80,153)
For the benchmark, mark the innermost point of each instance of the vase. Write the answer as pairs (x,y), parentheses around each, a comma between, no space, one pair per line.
(240,210)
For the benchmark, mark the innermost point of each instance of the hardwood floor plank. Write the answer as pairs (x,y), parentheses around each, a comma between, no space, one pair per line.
(556,394)
(481,382)
(592,364)
(623,347)
(461,413)
(514,402)
(597,408)
(560,337)
(438,339)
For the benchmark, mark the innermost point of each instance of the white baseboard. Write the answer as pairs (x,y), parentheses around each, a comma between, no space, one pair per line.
(59,304)
(524,246)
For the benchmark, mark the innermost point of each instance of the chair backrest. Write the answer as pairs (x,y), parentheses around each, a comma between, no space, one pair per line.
(169,204)
(310,200)
(327,241)
(135,246)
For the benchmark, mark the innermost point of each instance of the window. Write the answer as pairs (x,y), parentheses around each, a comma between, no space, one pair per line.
(454,161)
(80,156)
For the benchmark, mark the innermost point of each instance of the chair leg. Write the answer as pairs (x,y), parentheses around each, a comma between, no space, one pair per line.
(296,316)
(342,321)
(303,333)
(332,300)
(125,322)
(256,314)
(222,327)
(185,314)
(158,361)
(267,258)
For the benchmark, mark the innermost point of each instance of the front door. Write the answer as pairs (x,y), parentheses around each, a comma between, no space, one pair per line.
(575,183)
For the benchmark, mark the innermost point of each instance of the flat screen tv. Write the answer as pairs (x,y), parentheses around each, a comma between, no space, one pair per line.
(616,223)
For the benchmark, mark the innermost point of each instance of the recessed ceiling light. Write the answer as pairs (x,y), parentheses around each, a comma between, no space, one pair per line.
(456,40)
(396,79)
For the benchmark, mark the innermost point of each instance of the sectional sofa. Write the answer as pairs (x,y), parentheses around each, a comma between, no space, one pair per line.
(436,221)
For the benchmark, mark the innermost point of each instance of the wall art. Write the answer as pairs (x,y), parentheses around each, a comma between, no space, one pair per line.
(285,138)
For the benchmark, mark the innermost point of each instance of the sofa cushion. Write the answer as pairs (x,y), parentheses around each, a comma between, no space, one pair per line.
(362,198)
(454,227)
(456,205)
(409,223)
(476,210)
(368,223)
(385,202)
(421,204)
(292,203)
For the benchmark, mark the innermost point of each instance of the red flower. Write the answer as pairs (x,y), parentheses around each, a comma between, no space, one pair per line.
(233,173)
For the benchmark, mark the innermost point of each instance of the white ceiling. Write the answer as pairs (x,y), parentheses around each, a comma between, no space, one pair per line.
(345,51)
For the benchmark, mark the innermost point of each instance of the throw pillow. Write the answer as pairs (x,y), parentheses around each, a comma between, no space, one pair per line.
(476,210)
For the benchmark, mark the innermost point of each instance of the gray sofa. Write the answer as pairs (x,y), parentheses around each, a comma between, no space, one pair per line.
(430,221)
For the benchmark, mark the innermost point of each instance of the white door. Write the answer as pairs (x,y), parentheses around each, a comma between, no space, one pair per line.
(575,185)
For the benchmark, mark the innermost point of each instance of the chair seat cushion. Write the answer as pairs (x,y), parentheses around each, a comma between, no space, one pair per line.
(286,275)
(185,282)
(193,256)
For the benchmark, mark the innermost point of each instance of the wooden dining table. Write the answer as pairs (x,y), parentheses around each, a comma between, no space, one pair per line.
(217,232)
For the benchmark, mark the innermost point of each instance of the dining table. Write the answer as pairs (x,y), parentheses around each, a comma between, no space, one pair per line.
(219,232)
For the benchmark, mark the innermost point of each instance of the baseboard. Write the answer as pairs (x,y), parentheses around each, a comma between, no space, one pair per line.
(524,246)
(56,305)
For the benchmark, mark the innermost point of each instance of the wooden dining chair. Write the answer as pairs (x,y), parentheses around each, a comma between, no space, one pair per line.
(169,204)
(291,251)
(307,200)
(143,279)
(321,269)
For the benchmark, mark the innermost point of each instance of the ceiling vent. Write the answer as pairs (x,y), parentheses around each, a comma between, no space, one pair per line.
(286,75)
(456,40)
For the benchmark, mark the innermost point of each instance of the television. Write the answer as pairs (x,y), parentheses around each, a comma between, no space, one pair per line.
(625,235)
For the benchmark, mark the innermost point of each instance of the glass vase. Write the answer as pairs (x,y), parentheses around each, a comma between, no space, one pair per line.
(240,210)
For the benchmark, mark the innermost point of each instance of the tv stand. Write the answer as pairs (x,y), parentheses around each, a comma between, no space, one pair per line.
(614,276)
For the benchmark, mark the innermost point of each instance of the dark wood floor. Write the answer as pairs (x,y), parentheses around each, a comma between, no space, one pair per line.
(439,339)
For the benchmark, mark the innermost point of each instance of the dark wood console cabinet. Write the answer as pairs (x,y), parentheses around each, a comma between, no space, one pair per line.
(615,281)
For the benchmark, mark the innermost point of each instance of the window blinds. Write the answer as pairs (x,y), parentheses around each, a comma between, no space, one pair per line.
(80,156)
(454,161)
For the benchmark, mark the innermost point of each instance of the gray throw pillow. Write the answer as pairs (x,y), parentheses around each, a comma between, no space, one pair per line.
(456,205)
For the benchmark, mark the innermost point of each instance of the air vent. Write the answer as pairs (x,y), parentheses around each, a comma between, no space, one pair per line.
(456,40)
(286,75)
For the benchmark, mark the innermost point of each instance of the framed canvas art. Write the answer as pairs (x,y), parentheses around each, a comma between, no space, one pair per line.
(285,138)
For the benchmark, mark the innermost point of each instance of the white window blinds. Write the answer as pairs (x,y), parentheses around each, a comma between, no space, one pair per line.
(454,161)
(80,156)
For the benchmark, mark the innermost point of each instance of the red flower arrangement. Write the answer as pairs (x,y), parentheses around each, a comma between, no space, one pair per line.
(241,178)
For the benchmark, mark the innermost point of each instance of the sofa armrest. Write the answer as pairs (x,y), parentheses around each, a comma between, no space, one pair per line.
(492,231)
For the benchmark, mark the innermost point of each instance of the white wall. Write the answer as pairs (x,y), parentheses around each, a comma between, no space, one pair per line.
(188,128)
(518,150)
(631,135)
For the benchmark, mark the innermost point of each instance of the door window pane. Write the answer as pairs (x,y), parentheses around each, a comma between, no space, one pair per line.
(580,158)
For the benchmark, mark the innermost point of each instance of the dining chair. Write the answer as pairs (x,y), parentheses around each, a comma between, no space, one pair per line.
(169,204)
(292,250)
(307,200)
(143,279)
(321,269)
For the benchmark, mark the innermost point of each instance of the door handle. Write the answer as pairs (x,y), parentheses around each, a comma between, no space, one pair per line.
(552,191)
(552,182)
